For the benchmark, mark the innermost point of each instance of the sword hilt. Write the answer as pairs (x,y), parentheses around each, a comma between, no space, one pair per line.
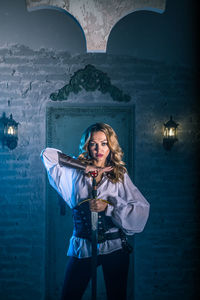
(94,174)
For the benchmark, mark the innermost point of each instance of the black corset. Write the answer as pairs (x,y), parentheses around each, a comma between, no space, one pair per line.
(82,222)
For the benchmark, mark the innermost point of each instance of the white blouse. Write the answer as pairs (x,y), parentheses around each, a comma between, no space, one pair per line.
(129,210)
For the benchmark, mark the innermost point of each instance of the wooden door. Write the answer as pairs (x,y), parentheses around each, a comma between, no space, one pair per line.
(64,129)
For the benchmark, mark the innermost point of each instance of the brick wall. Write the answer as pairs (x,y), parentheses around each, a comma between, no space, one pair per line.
(166,253)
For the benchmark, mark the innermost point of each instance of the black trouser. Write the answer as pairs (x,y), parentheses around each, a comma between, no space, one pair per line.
(115,270)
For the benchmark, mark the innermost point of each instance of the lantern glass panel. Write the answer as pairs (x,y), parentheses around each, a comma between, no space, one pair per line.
(165,132)
(172,132)
(11,130)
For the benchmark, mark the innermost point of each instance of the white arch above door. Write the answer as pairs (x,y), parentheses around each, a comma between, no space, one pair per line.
(98,17)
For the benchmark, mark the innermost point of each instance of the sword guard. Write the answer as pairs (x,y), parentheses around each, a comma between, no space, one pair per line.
(87,200)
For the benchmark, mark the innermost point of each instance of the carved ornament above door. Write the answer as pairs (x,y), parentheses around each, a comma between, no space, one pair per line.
(90,79)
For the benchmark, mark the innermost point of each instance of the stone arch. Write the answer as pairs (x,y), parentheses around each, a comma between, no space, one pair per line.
(97,18)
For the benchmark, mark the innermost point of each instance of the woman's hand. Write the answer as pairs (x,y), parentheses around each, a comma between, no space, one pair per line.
(105,170)
(97,205)
(97,169)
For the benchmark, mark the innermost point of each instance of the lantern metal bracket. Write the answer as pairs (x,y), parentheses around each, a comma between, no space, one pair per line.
(167,143)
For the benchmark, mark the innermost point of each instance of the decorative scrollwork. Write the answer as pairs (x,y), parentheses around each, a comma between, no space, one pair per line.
(90,79)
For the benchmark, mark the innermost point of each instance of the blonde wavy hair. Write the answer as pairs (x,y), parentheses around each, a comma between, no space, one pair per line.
(114,158)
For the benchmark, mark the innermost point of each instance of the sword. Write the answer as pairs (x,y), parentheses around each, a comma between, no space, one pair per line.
(94,224)
(65,160)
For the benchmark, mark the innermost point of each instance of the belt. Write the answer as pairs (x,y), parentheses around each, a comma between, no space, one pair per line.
(102,237)
(108,236)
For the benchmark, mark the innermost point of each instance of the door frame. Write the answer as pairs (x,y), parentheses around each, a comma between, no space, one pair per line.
(81,108)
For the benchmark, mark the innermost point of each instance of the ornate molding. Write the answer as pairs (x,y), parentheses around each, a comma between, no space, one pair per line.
(90,79)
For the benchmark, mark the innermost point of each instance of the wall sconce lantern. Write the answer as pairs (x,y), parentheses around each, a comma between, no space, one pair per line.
(170,134)
(9,132)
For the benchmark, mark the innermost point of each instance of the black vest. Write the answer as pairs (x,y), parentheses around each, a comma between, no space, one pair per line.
(82,222)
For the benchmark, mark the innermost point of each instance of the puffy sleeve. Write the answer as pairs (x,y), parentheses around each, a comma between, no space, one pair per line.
(130,210)
(61,178)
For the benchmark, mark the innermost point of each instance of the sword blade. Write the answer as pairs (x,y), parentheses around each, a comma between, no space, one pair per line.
(94,223)
(94,220)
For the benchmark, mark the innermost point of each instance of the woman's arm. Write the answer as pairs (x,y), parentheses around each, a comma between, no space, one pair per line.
(130,209)
(67,161)
(61,170)
(59,177)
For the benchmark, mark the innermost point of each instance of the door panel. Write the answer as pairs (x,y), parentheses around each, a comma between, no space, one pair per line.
(64,129)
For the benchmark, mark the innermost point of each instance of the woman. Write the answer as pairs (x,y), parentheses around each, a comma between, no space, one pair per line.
(122,210)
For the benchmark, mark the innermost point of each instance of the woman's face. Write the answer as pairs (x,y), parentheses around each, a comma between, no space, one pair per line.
(98,148)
